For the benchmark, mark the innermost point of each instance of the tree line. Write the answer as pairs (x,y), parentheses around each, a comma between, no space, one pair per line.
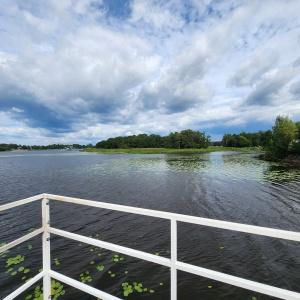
(244,139)
(179,140)
(7,147)
(282,140)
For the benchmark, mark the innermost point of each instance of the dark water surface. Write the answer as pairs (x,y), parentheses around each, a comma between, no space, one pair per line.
(226,186)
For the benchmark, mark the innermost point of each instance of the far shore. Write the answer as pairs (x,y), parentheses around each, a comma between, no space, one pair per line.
(172,150)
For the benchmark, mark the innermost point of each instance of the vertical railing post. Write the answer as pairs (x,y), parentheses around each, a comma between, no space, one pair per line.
(173,259)
(46,249)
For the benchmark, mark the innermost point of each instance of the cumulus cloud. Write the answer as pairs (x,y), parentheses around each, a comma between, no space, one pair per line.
(268,90)
(295,89)
(84,70)
(254,68)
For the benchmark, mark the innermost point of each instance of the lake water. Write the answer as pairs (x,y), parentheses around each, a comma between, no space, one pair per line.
(226,186)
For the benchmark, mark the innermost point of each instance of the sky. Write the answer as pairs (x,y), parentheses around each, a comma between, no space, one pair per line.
(79,71)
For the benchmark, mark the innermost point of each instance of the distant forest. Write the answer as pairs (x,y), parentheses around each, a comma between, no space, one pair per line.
(244,139)
(187,139)
(7,147)
(179,140)
(283,139)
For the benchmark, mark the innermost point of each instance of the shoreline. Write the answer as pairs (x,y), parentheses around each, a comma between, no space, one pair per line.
(171,150)
(292,160)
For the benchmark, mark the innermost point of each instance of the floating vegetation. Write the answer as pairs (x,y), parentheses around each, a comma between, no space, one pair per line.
(56,262)
(57,289)
(14,271)
(116,258)
(85,277)
(14,260)
(221,247)
(129,288)
(112,275)
(100,267)
(282,175)
(14,267)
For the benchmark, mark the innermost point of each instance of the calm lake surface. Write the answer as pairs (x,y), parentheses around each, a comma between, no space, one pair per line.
(226,186)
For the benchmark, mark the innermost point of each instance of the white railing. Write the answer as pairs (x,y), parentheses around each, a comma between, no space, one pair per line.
(171,263)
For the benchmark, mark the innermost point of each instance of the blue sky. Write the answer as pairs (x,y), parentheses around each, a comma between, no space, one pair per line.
(78,71)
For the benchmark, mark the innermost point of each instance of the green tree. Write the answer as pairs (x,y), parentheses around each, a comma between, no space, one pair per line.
(243,141)
(298,130)
(284,133)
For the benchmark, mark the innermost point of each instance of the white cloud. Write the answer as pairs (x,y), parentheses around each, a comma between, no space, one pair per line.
(17,110)
(164,66)
(160,14)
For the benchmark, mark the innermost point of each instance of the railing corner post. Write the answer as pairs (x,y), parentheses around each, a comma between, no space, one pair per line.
(46,249)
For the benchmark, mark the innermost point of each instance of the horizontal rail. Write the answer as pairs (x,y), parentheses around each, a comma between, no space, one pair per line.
(20,202)
(113,247)
(257,230)
(22,239)
(81,286)
(25,286)
(239,282)
(173,264)
(215,275)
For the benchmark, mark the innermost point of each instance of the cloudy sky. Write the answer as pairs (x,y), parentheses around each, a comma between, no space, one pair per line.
(84,70)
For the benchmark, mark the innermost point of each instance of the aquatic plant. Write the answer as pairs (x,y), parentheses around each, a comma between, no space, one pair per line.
(127,289)
(112,274)
(56,262)
(85,277)
(14,260)
(57,290)
(135,287)
(116,258)
(100,267)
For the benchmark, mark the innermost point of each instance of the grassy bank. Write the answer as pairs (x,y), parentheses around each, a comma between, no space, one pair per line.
(170,151)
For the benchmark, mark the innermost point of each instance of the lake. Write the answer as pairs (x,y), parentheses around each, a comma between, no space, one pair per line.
(222,185)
